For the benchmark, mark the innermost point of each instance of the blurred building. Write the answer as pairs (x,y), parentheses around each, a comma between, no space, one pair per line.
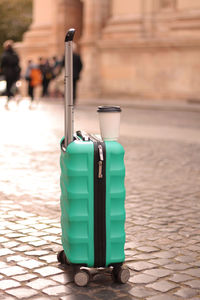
(140,48)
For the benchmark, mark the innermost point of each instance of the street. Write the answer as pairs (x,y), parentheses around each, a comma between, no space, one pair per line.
(162,159)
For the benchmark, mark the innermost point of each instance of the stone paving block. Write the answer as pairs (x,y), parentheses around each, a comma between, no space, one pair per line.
(47,271)
(142,278)
(39,233)
(177,267)
(195,248)
(141,292)
(193,272)
(23,215)
(5,232)
(158,272)
(5,251)
(6,297)
(57,225)
(141,265)
(163,297)
(161,261)
(185,259)
(10,244)
(50,258)
(13,226)
(15,258)
(180,277)
(162,286)
(6,284)
(27,221)
(148,249)
(15,235)
(64,278)
(3,239)
(23,248)
(39,226)
(57,290)
(186,293)
(49,238)
(11,271)
(27,239)
(194,284)
(30,263)
(195,264)
(41,283)
(164,254)
(22,292)
(38,243)
(37,252)
(53,231)
(25,277)
(3,264)
(130,246)
(143,256)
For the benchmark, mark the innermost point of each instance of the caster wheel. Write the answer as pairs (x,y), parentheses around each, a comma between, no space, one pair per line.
(81,278)
(61,257)
(121,275)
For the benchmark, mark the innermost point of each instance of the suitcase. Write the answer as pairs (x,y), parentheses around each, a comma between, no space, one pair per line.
(92,196)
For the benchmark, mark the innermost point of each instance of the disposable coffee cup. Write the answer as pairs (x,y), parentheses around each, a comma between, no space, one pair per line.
(109,121)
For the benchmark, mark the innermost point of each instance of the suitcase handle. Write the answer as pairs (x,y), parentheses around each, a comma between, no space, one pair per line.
(83,135)
(68,82)
(70,35)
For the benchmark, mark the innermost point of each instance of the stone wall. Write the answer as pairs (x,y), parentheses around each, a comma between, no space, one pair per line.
(150,49)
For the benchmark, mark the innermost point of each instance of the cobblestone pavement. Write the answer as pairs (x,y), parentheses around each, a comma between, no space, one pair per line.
(163,205)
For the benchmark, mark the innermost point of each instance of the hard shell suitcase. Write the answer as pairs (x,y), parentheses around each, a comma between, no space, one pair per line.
(92,195)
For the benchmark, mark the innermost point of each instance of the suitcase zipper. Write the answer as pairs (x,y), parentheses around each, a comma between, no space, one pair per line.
(99,205)
(99,201)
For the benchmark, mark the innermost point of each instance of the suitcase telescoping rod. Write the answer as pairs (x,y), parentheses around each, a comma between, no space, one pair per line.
(68,93)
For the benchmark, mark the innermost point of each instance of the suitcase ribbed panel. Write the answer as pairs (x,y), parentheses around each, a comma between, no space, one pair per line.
(115,203)
(77,205)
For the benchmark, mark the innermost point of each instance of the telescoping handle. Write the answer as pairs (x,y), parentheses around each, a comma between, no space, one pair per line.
(68,82)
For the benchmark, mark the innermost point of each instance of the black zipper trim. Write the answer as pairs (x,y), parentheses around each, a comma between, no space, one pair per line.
(99,207)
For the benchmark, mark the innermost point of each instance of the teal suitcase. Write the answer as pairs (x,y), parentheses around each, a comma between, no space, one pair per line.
(92,197)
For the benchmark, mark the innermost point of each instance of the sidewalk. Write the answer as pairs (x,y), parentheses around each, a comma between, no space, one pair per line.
(178,105)
(162,205)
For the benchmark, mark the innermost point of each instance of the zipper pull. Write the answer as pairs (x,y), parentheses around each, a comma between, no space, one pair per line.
(100,152)
(100,175)
(100,163)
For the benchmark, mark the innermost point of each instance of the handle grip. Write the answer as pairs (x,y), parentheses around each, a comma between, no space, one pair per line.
(70,35)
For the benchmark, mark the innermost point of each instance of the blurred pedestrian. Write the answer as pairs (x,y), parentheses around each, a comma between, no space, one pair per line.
(47,75)
(34,77)
(56,65)
(77,67)
(9,66)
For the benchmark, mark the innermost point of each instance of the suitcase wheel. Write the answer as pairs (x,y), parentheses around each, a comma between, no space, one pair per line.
(120,274)
(61,257)
(82,278)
